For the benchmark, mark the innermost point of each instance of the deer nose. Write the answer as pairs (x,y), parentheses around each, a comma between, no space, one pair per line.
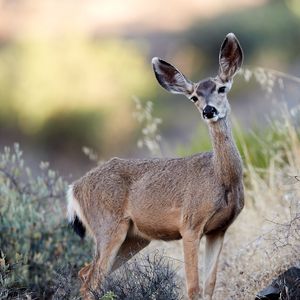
(209,112)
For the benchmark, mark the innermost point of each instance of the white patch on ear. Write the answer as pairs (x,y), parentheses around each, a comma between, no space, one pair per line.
(231,35)
(155,60)
(155,63)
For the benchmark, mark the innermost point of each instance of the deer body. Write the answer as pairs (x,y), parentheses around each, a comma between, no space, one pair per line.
(124,204)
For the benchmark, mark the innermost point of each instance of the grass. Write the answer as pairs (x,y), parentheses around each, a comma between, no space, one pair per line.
(264,241)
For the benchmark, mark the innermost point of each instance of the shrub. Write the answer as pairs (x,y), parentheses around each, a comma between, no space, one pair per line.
(10,278)
(34,240)
(65,284)
(146,277)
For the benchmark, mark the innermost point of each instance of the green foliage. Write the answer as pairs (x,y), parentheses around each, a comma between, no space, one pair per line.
(11,278)
(109,296)
(34,236)
(274,20)
(72,85)
(69,131)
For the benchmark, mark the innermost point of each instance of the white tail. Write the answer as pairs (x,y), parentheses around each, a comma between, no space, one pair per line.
(70,208)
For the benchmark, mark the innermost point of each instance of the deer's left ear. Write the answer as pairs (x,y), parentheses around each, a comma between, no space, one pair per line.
(230,57)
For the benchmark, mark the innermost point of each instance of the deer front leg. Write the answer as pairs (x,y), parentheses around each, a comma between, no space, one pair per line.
(213,247)
(190,249)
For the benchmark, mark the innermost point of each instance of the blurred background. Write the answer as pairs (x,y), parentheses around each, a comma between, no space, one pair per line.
(69,71)
(77,87)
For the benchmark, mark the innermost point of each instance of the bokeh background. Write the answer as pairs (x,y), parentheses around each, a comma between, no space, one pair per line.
(77,88)
(69,70)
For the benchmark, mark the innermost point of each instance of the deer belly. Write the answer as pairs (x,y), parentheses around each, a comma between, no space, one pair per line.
(159,226)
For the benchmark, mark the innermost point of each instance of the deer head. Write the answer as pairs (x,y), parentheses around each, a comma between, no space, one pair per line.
(209,95)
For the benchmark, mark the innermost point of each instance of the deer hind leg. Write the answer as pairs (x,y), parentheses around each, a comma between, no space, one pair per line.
(130,247)
(190,249)
(108,244)
(213,247)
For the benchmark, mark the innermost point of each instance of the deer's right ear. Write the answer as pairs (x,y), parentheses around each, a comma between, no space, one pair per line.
(230,57)
(170,78)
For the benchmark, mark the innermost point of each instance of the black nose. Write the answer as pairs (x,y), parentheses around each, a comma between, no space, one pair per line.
(209,112)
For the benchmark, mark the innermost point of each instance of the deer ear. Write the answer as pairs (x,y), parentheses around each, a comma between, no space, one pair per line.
(230,57)
(170,78)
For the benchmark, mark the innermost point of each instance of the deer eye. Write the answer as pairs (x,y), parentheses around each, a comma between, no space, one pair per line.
(221,89)
(194,99)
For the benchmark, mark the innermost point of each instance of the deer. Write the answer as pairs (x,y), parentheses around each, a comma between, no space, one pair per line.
(124,204)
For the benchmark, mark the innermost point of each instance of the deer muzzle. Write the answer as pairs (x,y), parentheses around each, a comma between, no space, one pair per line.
(209,112)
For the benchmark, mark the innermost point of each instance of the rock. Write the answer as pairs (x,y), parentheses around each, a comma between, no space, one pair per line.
(271,292)
(285,286)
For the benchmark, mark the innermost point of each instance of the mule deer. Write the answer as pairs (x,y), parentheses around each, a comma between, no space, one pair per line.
(124,204)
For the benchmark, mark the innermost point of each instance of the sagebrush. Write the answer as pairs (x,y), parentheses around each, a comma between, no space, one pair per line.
(35,239)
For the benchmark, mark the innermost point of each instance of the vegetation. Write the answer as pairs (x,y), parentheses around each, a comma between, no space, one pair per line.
(55,91)
(150,276)
(85,88)
(264,241)
(274,20)
(35,239)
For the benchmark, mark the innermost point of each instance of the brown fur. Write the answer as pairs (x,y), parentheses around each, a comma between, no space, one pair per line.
(127,203)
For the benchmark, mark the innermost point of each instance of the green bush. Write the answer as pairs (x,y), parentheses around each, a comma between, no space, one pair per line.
(35,240)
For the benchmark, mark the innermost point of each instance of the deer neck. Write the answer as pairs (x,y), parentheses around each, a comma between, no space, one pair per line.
(226,158)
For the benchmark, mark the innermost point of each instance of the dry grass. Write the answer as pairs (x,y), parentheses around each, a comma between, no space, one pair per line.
(264,241)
